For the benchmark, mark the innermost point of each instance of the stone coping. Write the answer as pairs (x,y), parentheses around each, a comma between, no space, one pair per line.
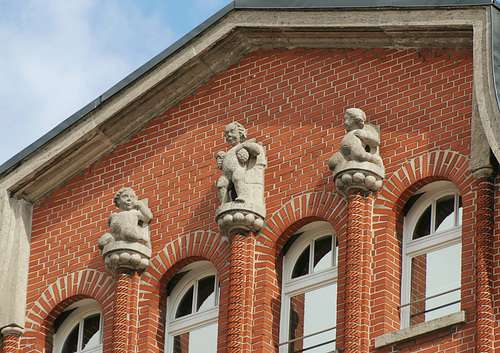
(420,329)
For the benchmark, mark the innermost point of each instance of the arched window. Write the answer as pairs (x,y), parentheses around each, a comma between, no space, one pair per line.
(192,310)
(79,328)
(432,253)
(309,298)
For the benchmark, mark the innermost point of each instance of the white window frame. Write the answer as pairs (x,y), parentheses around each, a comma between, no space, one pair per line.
(85,308)
(429,243)
(306,283)
(195,320)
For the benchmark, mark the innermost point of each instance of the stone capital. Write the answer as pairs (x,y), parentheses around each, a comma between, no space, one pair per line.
(122,254)
(12,331)
(242,216)
(365,177)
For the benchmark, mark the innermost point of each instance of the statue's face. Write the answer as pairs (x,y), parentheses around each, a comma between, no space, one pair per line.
(127,199)
(353,122)
(233,136)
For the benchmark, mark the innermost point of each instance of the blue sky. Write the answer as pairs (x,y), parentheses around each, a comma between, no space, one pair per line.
(58,55)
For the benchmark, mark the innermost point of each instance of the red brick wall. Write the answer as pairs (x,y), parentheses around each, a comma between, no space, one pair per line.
(293,101)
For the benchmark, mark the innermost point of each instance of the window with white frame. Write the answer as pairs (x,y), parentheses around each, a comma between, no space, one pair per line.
(432,254)
(309,295)
(79,328)
(193,309)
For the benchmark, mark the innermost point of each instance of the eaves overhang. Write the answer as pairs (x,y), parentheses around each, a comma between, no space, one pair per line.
(241,27)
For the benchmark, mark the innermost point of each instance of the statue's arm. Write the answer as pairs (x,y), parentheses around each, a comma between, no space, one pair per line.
(144,212)
(252,147)
(370,137)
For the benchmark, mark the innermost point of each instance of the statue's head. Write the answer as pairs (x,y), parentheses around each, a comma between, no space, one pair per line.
(122,195)
(354,119)
(235,133)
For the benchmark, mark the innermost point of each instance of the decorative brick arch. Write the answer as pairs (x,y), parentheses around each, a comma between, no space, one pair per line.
(202,244)
(57,296)
(433,166)
(300,210)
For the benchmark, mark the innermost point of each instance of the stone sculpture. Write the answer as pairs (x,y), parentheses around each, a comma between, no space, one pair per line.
(128,243)
(241,187)
(358,162)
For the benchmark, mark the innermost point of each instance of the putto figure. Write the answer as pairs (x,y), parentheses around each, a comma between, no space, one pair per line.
(131,223)
(235,163)
(360,144)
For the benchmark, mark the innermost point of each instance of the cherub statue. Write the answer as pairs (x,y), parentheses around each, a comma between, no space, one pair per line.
(361,142)
(231,185)
(131,223)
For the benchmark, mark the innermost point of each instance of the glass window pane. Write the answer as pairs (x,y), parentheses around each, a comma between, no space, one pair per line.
(206,293)
(323,253)
(91,331)
(203,340)
(302,265)
(459,210)
(71,343)
(432,274)
(445,213)
(423,226)
(181,343)
(312,312)
(186,304)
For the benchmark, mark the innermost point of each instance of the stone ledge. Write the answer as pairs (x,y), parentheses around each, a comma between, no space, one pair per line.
(420,329)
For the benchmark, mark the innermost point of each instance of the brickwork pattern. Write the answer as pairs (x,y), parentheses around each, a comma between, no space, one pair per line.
(293,102)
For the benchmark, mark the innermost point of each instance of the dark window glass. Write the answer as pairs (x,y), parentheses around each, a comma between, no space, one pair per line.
(71,343)
(445,215)
(206,293)
(181,343)
(186,305)
(301,267)
(91,331)
(323,253)
(423,226)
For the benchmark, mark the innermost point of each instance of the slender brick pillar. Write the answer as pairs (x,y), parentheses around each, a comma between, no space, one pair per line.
(122,308)
(357,271)
(239,310)
(484,260)
(10,339)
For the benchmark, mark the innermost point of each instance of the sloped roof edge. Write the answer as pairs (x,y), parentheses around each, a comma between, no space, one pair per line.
(18,160)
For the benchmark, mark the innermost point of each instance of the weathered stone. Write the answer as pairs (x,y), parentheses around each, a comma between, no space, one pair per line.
(128,243)
(241,186)
(358,164)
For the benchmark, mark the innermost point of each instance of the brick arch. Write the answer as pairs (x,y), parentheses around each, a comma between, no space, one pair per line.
(197,245)
(432,166)
(57,296)
(300,210)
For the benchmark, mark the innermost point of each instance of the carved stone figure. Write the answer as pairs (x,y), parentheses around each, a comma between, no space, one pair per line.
(241,186)
(358,163)
(128,242)
(234,164)
(361,142)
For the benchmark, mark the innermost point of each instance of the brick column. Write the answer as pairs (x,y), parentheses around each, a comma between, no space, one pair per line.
(126,261)
(239,290)
(357,271)
(124,310)
(10,339)
(484,259)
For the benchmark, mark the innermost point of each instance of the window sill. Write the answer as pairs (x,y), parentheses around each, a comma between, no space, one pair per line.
(420,329)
